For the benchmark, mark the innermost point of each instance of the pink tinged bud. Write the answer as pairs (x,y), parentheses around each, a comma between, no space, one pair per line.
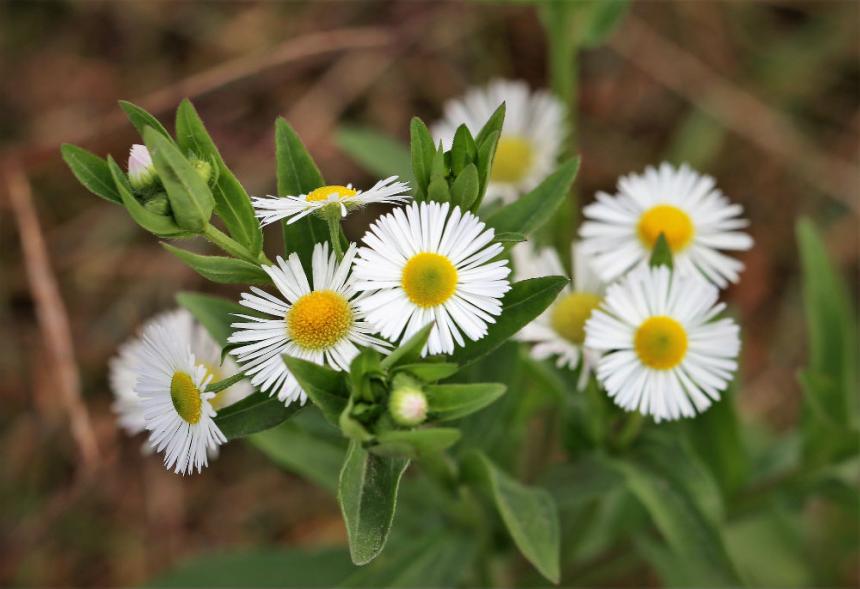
(141,172)
(408,406)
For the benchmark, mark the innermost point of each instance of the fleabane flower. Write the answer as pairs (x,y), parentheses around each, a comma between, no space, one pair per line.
(530,141)
(124,369)
(322,324)
(177,410)
(343,198)
(665,354)
(697,220)
(424,265)
(141,171)
(559,331)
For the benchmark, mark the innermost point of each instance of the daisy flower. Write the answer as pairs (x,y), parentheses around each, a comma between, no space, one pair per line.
(665,355)
(695,217)
(322,324)
(560,330)
(177,410)
(274,208)
(424,265)
(124,369)
(531,138)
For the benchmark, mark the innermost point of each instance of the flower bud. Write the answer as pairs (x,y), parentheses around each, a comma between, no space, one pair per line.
(202,167)
(408,404)
(141,171)
(158,204)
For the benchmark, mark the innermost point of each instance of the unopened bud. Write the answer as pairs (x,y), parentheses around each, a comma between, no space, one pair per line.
(408,404)
(141,171)
(158,204)
(203,168)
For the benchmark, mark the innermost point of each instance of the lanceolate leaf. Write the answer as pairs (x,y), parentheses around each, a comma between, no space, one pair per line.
(410,350)
(422,151)
(160,225)
(255,413)
(221,269)
(529,513)
(298,174)
(142,119)
(453,401)
(526,300)
(367,493)
(214,313)
(414,443)
(231,201)
(325,387)
(91,171)
(190,198)
(430,371)
(538,206)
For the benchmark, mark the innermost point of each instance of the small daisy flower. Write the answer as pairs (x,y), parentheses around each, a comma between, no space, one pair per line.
(322,324)
(665,355)
(425,266)
(124,369)
(560,330)
(274,208)
(697,220)
(141,171)
(177,410)
(531,138)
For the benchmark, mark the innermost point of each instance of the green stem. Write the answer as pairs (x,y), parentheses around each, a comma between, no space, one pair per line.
(333,220)
(233,247)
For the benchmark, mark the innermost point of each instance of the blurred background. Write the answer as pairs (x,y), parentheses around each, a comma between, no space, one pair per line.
(765,96)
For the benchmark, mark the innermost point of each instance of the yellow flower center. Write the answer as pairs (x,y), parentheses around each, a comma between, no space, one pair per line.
(513,159)
(429,279)
(319,319)
(661,342)
(569,315)
(324,192)
(669,220)
(186,397)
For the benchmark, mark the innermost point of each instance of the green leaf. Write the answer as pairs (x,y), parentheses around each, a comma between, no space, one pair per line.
(453,401)
(493,125)
(529,513)
(325,387)
(142,119)
(91,171)
(263,568)
(221,269)
(379,154)
(688,533)
(438,189)
(410,350)
(526,300)
(214,313)
(465,188)
(509,238)
(601,18)
(430,371)
(486,154)
(232,203)
(190,198)
(298,450)
(532,210)
(464,151)
(422,151)
(367,493)
(160,225)
(255,413)
(415,443)
(661,254)
(298,174)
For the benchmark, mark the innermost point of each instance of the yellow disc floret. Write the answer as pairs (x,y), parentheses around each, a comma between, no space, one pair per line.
(186,397)
(570,314)
(325,192)
(669,220)
(513,159)
(429,279)
(319,319)
(661,342)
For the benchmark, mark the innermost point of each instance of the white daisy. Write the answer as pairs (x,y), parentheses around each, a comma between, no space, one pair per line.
(322,324)
(124,368)
(141,170)
(426,266)
(274,208)
(560,330)
(531,138)
(685,206)
(176,408)
(665,355)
